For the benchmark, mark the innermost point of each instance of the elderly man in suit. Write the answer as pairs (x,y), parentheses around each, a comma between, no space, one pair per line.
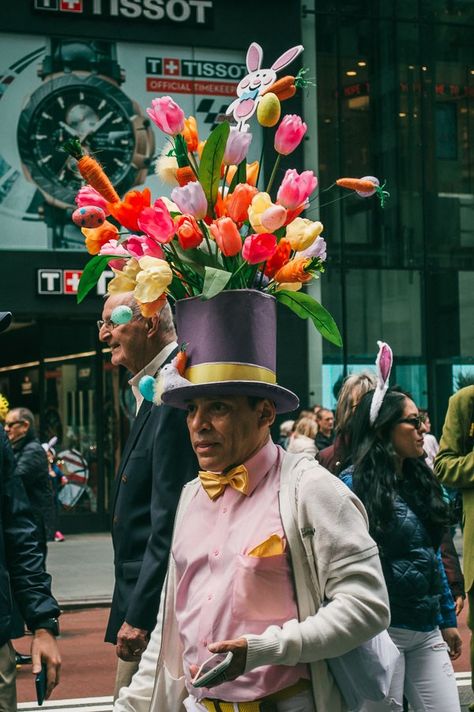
(156,462)
(454,466)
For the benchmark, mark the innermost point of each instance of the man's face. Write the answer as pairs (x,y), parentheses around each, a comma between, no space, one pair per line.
(15,428)
(326,422)
(226,431)
(126,341)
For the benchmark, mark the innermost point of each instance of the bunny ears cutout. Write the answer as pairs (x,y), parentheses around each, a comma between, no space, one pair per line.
(383,364)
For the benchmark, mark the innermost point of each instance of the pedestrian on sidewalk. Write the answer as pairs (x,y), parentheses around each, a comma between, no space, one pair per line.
(156,462)
(22,573)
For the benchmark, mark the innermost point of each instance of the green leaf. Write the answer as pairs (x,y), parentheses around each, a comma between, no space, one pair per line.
(308,308)
(215,280)
(176,288)
(196,259)
(211,160)
(240,175)
(91,274)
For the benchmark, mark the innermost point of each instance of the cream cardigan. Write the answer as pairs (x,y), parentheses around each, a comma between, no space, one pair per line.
(333,560)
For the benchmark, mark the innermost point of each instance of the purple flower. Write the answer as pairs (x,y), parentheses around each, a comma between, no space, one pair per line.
(237,147)
(191,200)
(317,249)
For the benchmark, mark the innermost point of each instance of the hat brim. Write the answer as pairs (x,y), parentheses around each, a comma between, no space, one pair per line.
(5,320)
(284,399)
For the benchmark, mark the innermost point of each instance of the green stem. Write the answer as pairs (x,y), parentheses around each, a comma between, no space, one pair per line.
(181,266)
(260,163)
(262,274)
(225,178)
(274,172)
(193,164)
(203,227)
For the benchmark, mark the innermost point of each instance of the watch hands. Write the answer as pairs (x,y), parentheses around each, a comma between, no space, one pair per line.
(98,126)
(68,129)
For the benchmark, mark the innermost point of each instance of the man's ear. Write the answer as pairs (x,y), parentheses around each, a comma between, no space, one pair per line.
(267,412)
(152,325)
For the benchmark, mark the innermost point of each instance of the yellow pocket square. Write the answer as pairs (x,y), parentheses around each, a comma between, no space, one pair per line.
(273,546)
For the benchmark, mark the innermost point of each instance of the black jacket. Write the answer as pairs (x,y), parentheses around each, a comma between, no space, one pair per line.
(157,461)
(21,561)
(32,467)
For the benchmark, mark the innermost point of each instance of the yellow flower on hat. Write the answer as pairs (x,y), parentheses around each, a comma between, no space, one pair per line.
(301,233)
(154,277)
(125,279)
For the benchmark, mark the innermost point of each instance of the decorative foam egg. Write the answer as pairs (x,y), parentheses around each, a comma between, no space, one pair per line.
(146,386)
(121,314)
(268,110)
(88,216)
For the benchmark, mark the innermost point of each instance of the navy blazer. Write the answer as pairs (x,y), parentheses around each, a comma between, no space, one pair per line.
(157,461)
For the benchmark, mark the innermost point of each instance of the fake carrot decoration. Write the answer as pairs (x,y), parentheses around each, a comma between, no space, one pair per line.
(91,171)
(284,88)
(181,359)
(294,271)
(358,184)
(185,175)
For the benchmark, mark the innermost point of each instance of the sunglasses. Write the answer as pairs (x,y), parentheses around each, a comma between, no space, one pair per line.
(416,421)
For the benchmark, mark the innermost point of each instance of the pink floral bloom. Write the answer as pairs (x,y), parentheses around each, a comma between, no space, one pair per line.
(227,237)
(259,248)
(289,134)
(296,188)
(139,246)
(237,147)
(317,249)
(167,115)
(191,200)
(87,195)
(117,264)
(273,217)
(112,247)
(157,222)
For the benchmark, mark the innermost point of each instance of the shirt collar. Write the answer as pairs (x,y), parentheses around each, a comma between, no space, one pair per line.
(150,369)
(260,464)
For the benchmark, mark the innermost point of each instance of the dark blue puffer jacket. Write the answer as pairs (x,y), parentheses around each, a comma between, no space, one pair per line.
(412,570)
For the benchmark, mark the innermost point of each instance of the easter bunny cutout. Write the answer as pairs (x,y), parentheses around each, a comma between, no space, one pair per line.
(253,85)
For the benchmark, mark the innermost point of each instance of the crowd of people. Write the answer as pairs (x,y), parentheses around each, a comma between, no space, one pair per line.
(352,492)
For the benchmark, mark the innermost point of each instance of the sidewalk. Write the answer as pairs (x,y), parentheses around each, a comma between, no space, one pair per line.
(82,570)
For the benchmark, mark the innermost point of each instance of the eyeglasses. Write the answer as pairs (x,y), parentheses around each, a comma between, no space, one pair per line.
(14,422)
(416,421)
(107,323)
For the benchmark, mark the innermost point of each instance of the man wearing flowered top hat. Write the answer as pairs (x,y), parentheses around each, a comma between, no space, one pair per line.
(237,579)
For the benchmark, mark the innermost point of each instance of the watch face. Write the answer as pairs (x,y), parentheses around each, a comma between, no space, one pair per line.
(91,109)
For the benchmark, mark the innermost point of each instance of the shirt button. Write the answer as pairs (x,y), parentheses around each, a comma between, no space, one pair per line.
(210,597)
(124,478)
(115,520)
(224,510)
(216,552)
(204,643)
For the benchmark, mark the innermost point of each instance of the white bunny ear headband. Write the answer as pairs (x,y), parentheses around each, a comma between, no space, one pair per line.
(383,364)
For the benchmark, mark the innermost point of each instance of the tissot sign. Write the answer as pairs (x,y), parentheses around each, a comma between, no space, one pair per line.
(188,12)
(66,281)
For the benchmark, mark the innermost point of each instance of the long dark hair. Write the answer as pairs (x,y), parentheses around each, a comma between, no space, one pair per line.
(375,477)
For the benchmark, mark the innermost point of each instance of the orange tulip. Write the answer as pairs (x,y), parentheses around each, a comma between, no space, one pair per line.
(228,239)
(98,236)
(190,133)
(251,175)
(188,232)
(237,203)
(294,271)
(128,210)
(279,258)
(149,309)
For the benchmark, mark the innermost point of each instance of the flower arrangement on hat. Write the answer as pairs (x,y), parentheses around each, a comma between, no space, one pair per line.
(221,229)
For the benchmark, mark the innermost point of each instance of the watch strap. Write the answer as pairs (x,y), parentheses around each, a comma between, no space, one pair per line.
(69,55)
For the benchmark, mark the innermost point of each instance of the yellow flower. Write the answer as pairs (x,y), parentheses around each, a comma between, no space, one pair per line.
(154,277)
(302,232)
(290,286)
(125,279)
(259,204)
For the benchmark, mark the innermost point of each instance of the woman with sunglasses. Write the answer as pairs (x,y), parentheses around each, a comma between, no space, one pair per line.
(407,518)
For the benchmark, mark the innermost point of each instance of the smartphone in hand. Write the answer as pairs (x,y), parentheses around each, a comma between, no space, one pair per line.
(211,669)
(41,684)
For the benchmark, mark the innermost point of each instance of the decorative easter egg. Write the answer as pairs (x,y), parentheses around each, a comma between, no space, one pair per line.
(88,216)
(269,110)
(373,180)
(146,386)
(121,314)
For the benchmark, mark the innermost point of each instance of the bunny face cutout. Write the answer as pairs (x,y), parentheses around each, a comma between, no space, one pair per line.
(251,88)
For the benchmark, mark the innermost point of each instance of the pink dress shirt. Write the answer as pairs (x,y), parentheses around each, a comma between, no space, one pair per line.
(222,592)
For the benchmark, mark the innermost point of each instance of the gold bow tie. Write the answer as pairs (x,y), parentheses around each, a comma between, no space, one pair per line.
(214,484)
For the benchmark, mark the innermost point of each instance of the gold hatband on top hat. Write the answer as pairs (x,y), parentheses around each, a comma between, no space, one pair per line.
(228,371)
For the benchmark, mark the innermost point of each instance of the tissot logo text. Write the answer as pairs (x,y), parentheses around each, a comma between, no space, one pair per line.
(189,12)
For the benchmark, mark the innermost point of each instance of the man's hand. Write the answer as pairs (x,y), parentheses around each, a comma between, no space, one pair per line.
(131,642)
(459,604)
(237,666)
(44,649)
(454,641)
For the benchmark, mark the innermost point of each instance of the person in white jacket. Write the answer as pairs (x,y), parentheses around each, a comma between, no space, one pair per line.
(262,540)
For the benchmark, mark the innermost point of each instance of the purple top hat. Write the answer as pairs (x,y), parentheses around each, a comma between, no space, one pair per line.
(231,349)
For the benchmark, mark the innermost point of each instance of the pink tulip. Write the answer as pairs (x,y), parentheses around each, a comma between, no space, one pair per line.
(167,115)
(117,264)
(87,195)
(191,200)
(259,248)
(317,249)
(227,237)
(112,247)
(296,188)
(289,134)
(140,246)
(156,222)
(237,147)
(273,217)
